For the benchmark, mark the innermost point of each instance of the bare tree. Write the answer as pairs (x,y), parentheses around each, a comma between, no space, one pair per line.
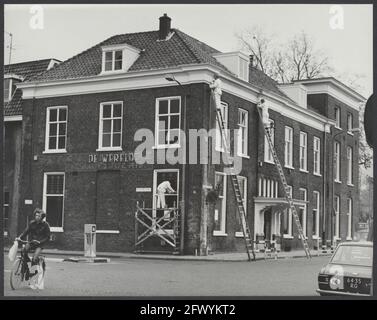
(294,60)
(258,43)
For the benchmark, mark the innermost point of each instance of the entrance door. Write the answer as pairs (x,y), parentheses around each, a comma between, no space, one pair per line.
(267,224)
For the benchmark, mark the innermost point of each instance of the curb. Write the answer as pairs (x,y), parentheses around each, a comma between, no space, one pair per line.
(102,259)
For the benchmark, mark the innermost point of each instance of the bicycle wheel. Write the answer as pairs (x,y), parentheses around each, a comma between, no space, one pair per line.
(16,276)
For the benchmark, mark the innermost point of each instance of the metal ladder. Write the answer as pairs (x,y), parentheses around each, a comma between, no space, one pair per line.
(237,192)
(288,196)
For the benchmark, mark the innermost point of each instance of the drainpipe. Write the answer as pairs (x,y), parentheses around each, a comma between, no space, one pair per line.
(325,165)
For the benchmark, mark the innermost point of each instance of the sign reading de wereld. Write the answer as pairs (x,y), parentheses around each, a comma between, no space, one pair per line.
(124,157)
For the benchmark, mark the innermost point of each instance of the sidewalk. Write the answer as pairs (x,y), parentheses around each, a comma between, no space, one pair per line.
(231,256)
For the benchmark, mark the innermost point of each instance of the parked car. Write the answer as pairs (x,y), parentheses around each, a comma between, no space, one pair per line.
(349,271)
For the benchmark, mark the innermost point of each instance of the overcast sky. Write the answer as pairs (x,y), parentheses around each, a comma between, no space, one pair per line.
(70,29)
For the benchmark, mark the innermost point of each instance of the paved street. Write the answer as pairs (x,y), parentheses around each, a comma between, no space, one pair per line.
(145,277)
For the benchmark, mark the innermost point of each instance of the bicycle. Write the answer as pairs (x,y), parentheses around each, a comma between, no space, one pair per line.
(21,274)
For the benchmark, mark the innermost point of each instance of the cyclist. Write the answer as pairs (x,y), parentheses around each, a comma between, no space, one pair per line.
(39,234)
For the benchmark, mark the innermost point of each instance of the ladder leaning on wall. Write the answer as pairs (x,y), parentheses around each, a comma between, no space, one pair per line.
(249,245)
(283,180)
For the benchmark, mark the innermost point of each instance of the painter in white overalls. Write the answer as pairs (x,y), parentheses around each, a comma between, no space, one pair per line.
(265,115)
(163,188)
(216,88)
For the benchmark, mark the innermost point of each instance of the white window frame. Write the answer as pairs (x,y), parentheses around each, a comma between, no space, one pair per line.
(337,217)
(244,201)
(317,156)
(44,201)
(349,166)
(100,130)
(243,69)
(337,118)
(316,215)
(222,231)
(349,218)
(303,154)
(305,208)
(243,133)
(349,123)
(290,217)
(219,145)
(104,51)
(267,151)
(57,122)
(169,114)
(288,147)
(337,161)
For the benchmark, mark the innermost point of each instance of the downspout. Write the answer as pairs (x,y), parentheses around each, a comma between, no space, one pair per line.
(324,185)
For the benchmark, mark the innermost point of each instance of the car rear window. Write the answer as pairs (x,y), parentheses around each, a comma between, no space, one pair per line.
(355,255)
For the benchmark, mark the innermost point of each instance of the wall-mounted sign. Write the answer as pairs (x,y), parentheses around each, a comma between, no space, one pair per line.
(28,201)
(120,157)
(143,189)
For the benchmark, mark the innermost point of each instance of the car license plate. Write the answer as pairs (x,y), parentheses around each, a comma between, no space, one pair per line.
(354,283)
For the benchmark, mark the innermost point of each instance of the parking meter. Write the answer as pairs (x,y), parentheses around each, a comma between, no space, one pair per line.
(90,240)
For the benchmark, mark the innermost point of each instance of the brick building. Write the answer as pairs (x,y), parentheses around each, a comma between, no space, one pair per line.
(13,74)
(79,164)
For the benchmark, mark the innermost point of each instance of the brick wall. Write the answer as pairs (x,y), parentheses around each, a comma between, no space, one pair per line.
(84,195)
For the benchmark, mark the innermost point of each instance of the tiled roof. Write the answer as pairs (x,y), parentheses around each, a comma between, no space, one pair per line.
(180,49)
(25,70)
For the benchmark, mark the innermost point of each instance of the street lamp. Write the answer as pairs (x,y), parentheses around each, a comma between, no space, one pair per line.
(353,130)
(171,78)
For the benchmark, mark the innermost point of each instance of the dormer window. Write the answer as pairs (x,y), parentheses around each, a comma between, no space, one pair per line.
(118,58)
(9,88)
(236,62)
(113,60)
(243,72)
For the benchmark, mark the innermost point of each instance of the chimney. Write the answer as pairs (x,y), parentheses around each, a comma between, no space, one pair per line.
(164,27)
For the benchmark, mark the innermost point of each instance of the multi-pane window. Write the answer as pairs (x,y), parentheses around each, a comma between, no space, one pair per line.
(336,216)
(316,155)
(303,151)
(267,150)
(113,60)
(302,210)
(242,181)
(6,212)
(53,199)
(337,117)
(337,161)
(287,217)
(224,115)
(110,126)
(56,129)
(288,154)
(349,165)
(220,209)
(267,188)
(349,122)
(168,121)
(349,219)
(243,130)
(316,204)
